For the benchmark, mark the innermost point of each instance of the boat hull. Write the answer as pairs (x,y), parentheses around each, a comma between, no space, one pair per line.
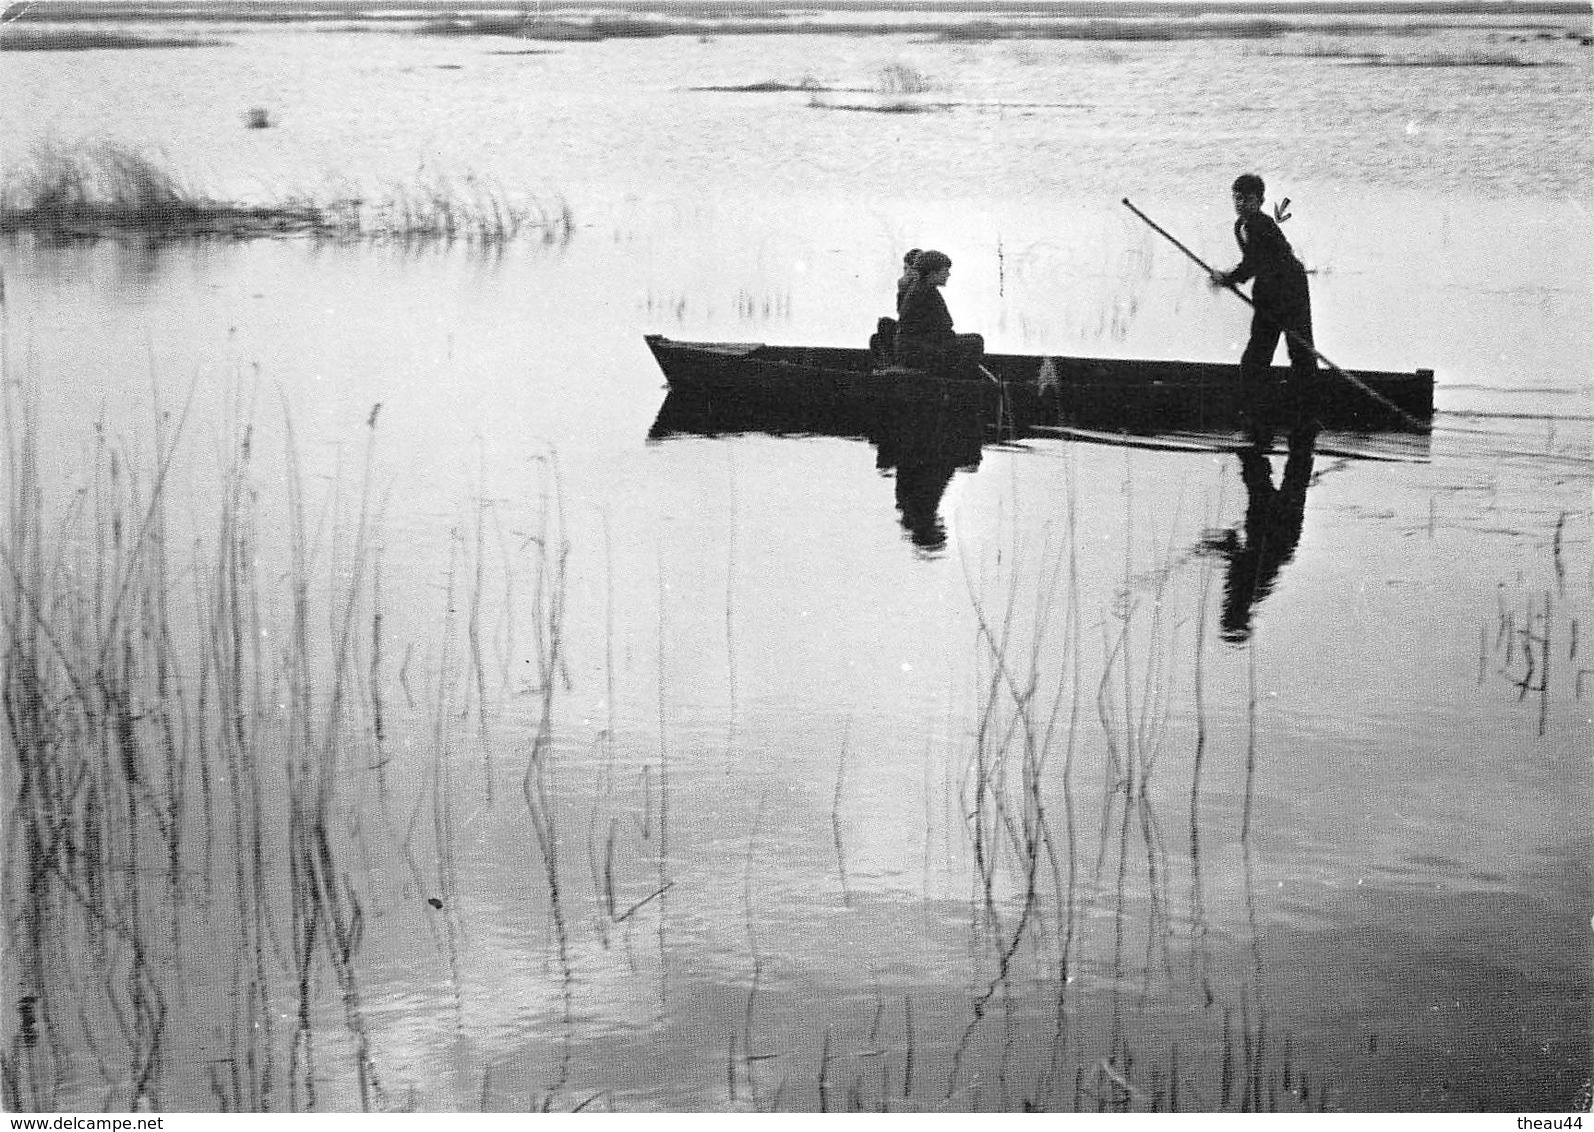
(818,377)
(1103,393)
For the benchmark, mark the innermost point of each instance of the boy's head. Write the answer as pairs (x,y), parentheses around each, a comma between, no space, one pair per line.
(1248,191)
(910,261)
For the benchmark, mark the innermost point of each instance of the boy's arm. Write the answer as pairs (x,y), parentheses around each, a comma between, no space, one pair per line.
(1264,243)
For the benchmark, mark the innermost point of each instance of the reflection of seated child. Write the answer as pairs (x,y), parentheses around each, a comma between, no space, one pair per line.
(920,486)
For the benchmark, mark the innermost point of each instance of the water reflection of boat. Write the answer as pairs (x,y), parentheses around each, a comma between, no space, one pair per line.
(1391,448)
(1106,393)
(924,442)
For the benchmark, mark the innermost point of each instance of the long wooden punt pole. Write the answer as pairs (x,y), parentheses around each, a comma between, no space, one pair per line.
(1292,335)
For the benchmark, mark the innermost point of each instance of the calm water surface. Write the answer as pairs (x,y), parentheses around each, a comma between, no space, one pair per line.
(734,771)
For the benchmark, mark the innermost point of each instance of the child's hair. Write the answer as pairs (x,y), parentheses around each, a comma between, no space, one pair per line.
(930,262)
(1249,185)
(911,260)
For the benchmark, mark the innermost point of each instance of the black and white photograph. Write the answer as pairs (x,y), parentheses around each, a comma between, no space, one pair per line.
(921,558)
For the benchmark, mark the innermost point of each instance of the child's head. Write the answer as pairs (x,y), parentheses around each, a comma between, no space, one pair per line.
(1248,191)
(932,262)
(911,260)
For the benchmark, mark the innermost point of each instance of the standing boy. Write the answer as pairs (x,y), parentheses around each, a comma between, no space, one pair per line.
(1282,302)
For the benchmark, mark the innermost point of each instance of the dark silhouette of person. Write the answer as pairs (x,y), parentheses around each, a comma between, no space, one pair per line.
(920,485)
(925,447)
(925,338)
(883,343)
(1271,532)
(921,444)
(1282,306)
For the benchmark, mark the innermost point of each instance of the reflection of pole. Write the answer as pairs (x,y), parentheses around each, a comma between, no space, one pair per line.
(1199,958)
(1251,1095)
(1290,334)
(1250,743)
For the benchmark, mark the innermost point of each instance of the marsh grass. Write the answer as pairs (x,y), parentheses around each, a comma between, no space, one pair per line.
(901,78)
(194,739)
(953,25)
(1054,890)
(896,106)
(1044,879)
(78,39)
(190,743)
(1532,643)
(97,770)
(160,719)
(445,208)
(221,707)
(896,88)
(561,28)
(201,811)
(805,85)
(1362,57)
(106,188)
(1143,29)
(108,184)
(1026,24)
(1454,59)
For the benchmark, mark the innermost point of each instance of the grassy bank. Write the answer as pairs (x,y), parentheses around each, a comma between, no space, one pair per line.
(77,39)
(104,189)
(596,28)
(955,25)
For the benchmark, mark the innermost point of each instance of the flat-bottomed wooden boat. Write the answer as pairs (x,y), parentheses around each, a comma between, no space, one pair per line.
(1127,395)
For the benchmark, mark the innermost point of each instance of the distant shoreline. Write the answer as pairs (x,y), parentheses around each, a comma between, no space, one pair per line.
(744,11)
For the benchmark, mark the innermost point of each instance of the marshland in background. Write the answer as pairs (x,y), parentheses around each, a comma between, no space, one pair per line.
(102,188)
(390,724)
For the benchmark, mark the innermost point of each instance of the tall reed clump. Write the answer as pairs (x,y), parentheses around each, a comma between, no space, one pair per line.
(77,39)
(97,773)
(102,188)
(1059,890)
(440,208)
(1025,853)
(1531,643)
(177,744)
(1031,732)
(103,184)
(900,78)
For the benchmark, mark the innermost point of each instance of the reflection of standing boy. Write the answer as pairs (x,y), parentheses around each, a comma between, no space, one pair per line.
(1273,521)
(1282,301)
